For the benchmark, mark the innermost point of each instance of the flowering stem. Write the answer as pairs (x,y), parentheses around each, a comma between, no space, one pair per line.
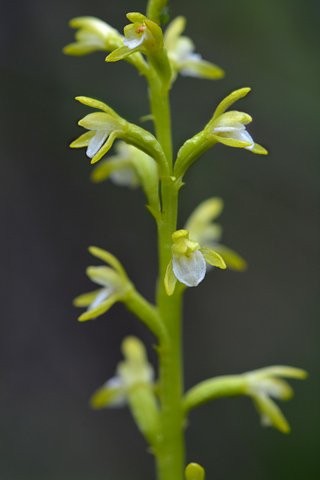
(170,461)
(170,452)
(160,109)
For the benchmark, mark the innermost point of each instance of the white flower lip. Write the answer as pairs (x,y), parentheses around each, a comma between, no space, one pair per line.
(96,142)
(189,269)
(103,294)
(133,42)
(237,131)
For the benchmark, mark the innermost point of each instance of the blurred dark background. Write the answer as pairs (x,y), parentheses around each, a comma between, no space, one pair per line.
(50,213)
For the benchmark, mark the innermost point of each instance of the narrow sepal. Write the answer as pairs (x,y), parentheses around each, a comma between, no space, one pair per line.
(231,142)
(170,280)
(83,140)
(201,69)
(121,53)
(91,102)
(105,168)
(213,258)
(108,258)
(100,309)
(259,149)
(232,259)
(85,299)
(205,213)
(106,147)
(270,414)
(228,101)
(111,394)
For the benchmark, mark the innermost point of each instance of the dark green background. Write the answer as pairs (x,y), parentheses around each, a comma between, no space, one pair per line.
(50,213)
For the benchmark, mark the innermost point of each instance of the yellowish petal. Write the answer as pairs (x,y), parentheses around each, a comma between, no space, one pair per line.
(106,147)
(213,258)
(280,371)
(173,31)
(108,258)
(229,119)
(136,17)
(228,101)
(86,299)
(100,309)
(201,69)
(111,394)
(103,170)
(231,142)
(91,102)
(83,140)
(80,48)
(233,260)
(258,149)
(170,280)
(98,121)
(121,53)
(270,413)
(205,213)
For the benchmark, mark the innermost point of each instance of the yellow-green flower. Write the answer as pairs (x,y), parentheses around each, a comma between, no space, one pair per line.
(114,282)
(181,54)
(188,264)
(264,384)
(229,128)
(134,371)
(142,35)
(201,228)
(103,128)
(92,34)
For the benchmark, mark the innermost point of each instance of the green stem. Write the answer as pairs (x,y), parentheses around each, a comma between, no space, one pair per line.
(160,109)
(170,461)
(171,450)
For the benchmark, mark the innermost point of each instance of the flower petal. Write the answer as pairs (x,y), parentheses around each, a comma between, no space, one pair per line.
(100,309)
(102,295)
(213,258)
(198,68)
(83,140)
(231,142)
(121,53)
(173,32)
(111,394)
(85,299)
(91,102)
(81,48)
(106,147)
(190,269)
(96,142)
(98,121)
(104,276)
(104,169)
(108,258)
(170,279)
(270,413)
(258,149)
(205,213)
(229,100)
(233,260)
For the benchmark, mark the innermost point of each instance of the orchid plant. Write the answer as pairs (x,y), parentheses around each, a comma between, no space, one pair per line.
(157,401)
